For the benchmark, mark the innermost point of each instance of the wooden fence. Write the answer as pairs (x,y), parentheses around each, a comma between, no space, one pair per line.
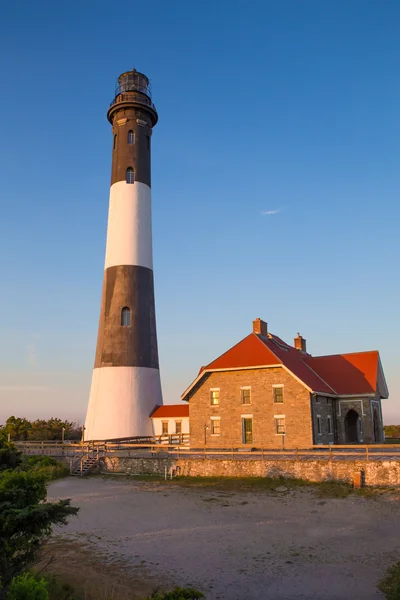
(162,446)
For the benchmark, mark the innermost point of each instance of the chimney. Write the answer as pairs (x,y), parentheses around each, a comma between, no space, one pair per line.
(300,343)
(260,327)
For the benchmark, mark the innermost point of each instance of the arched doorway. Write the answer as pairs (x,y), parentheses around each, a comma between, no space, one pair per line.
(377,432)
(351,427)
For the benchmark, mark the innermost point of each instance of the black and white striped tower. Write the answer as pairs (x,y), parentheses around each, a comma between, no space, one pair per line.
(126,379)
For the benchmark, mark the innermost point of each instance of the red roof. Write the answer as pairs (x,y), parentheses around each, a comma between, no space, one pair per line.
(341,374)
(350,374)
(170,410)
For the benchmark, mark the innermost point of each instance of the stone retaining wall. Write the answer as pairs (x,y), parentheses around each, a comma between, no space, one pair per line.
(376,473)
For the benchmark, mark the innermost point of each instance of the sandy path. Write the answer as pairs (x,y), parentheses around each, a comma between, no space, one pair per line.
(238,545)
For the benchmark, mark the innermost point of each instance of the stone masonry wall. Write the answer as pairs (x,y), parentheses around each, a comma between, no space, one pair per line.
(365,409)
(376,473)
(323,407)
(295,407)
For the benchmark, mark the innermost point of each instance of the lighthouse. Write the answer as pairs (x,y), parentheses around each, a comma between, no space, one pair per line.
(126,378)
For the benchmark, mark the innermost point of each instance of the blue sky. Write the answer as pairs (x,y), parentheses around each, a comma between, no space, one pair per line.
(290,107)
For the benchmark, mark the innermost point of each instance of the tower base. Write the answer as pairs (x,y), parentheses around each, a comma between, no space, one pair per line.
(120,403)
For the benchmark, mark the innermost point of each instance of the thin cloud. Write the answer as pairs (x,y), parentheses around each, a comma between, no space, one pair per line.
(23,388)
(271,212)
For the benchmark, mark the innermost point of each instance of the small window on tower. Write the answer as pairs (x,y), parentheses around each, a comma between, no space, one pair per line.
(125,317)
(130,175)
(131,137)
(115,141)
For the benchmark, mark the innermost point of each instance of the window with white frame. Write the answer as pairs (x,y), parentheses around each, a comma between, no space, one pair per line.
(164,427)
(278,394)
(245,393)
(130,175)
(178,426)
(131,137)
(280,425)
(247,430)
(329,424)
(125,317)
(215,425)
(360,425)
(319,431)
(214,397)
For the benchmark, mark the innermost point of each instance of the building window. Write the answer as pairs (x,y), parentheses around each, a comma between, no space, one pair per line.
(328,400)
(214,397)
(317,399)
(131,137)
(125,317)
(245,394)
(319,425)
(115,141)
(280,425)
(361,425)
(164,427)
(278,394)
(247,430)
(130,175)
(329,424)
(178,426)
(215,426)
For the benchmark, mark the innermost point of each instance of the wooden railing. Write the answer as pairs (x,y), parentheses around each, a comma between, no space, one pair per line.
(162,445)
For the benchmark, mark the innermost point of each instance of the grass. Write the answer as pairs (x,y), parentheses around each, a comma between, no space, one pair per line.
(390,584)
(323,489)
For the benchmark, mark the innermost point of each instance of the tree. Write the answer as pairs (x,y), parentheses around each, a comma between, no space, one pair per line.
(10,458)
(17,428)
(25,516)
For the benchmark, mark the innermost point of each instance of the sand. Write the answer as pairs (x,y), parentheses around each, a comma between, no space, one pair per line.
(235,545)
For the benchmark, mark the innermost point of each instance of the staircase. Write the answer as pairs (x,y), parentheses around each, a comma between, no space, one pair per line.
(85,463)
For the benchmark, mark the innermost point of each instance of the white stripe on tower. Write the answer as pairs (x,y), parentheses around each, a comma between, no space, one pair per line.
(126,379)
(129,225)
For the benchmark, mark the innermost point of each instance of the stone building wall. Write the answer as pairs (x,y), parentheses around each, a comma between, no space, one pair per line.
(295,408)
(376,473)
(364,407)
(323,409)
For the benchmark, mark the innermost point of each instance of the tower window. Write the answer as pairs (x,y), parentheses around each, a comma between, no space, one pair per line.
(131,137)
(115,141)
(125,317)
(130,175)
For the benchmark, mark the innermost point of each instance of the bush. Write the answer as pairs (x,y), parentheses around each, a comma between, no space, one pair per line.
(390,585)
(48,467)
(177,593)
(26,587)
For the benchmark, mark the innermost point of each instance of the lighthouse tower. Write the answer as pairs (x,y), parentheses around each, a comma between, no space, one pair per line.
(126,379)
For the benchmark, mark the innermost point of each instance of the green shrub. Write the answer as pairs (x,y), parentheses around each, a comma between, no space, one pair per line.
(26,587)
(177,593)
(59,590)
(48,467)
(390,585)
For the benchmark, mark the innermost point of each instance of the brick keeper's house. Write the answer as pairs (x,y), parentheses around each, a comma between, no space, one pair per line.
(266,393)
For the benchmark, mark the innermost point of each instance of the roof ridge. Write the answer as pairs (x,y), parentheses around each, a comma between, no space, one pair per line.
(226,351)
(258,336)
(346,353)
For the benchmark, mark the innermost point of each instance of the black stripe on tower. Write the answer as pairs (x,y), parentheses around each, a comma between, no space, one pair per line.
(131,149)
(133,345)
